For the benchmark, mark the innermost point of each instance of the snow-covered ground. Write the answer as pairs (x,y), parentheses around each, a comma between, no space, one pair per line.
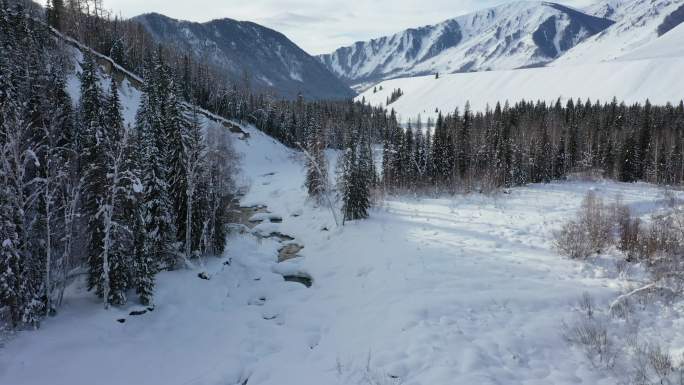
(462,290)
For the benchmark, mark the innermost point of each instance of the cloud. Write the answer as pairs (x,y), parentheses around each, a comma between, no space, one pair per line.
(291,19)
(318,26)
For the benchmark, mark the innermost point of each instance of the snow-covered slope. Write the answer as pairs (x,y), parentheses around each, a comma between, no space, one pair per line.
(659,80)
(638,22)
(508,36)
(671,44)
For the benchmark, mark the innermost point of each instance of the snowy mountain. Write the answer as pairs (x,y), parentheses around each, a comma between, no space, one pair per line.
(269,59)
(638,57)
(519,34)
(637,23)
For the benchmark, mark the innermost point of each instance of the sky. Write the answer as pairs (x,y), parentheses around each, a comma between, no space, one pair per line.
(317,26)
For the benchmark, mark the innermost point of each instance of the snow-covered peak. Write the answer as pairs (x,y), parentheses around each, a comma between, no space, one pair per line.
(512,35)
(637,23)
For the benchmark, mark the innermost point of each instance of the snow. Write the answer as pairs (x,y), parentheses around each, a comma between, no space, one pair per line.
(128,94)
(465,289)
(454,290)
(636,25)
(670,44)
(657,79)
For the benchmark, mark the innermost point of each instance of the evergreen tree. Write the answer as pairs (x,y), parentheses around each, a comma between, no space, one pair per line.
(355,179)
(154,173)
(55,13)
(195,163)
(317,174)
(12,289)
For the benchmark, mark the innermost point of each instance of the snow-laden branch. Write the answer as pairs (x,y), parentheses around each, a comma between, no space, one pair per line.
(623,297)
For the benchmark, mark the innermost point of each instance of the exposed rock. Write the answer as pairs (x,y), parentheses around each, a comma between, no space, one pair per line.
(299,278)
(138,312)
(289,251)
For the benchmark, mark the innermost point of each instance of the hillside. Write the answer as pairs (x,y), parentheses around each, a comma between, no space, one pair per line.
(638,23)
(670,45)
(513,35)
(633,81)
(248,52)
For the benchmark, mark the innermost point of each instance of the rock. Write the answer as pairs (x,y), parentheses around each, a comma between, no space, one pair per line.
(281,237)
(203,275)
(275,219)
(299,278)
(121,320)
(137,312)
(289,251)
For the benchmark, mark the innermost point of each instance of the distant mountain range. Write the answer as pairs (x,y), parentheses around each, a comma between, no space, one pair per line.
(514,35)
(247,51)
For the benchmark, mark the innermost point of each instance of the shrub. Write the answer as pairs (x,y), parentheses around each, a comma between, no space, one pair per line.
(596,219)
(573,241)
(591,232)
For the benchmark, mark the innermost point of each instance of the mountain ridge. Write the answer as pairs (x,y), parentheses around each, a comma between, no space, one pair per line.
(262,57)
(513,35)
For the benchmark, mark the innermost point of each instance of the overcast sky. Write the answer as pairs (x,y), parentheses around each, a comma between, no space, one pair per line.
(318,26)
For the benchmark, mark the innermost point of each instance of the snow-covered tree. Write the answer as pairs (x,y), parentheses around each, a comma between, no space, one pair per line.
(317,166)
(356,178)
(194,157)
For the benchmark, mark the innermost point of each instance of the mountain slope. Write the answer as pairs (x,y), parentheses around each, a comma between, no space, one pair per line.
(633,81)
(670,44)
(509,36)
(637,23)
(269,59)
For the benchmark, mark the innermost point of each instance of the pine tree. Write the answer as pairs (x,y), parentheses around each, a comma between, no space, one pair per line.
(317,167)
(95,145)
(355,178)
(11,269)
(159,221)
(116,220)
(175,127)
(464,143)
(195,162)
(631,165)
(55,14)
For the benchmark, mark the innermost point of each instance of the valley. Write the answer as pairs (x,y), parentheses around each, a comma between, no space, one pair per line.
(193,202)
